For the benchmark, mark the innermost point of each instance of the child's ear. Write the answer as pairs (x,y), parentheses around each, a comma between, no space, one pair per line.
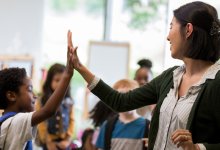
(11,96)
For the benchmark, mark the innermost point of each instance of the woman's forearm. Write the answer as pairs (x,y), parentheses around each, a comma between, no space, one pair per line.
(86,74)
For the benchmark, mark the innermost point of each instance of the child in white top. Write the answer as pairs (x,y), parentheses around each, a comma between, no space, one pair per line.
(16,96)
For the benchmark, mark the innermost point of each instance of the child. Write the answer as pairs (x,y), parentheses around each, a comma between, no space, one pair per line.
(127,130)
(17,99)
(57,131)
(143,75)
(87,140)
(98,115)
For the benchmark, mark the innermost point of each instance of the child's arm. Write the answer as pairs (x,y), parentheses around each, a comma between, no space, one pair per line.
(55,99)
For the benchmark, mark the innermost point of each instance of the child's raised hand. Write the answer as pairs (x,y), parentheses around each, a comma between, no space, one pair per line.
(70,53)
(75,62)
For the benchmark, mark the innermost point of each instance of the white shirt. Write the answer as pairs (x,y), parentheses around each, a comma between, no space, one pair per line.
(174,112)
(16,131)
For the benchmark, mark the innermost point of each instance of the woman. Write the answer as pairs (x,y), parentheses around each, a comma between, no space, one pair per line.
(187,113)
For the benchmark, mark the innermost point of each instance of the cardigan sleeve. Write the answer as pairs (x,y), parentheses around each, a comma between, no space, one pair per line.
(142,96)
(214,105)
(212,146)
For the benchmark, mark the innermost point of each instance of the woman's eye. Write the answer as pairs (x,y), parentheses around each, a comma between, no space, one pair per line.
(171,25)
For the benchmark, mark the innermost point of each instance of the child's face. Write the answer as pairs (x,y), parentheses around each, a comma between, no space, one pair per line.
(25,98)
(129,113)
(55,81)
(142,76)
(124,90)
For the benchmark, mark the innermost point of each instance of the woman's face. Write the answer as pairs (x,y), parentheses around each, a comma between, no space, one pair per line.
(176,39)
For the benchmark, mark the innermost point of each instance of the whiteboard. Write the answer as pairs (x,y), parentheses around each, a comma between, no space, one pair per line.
(109,60)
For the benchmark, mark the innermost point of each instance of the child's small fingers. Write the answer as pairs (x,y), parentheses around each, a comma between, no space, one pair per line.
(69,39)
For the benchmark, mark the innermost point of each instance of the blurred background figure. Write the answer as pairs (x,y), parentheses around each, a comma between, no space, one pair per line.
(56,133)
(86,139)
(98,115)
(143,75)
(126,130)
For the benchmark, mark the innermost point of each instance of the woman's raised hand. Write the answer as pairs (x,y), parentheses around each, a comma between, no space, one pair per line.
(74,62)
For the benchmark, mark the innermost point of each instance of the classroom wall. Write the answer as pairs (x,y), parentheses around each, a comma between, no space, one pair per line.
(21,29)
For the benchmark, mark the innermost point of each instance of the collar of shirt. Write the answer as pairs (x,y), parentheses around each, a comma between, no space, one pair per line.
(209,74)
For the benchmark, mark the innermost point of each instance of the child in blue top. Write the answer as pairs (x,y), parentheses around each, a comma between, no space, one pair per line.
(129,127)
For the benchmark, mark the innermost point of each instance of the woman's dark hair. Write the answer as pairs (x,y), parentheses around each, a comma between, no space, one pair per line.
(47,89)
(100,113)
(10,80)
(204,41)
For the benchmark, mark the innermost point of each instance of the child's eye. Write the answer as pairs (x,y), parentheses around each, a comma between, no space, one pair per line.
(30,88)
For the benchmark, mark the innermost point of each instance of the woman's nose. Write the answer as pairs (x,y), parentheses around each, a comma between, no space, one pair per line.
(168,39)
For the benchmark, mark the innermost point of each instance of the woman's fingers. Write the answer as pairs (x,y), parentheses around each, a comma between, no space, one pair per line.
(75,59)
(182,138)
(72,57)
(181,135)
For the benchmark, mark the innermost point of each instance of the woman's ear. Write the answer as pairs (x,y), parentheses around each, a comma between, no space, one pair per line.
(189,29)
(11,96)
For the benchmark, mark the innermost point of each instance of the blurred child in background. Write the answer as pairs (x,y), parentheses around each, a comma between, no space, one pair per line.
(86,139)
(56,132)
(143,75)
(126,130)
(99,114)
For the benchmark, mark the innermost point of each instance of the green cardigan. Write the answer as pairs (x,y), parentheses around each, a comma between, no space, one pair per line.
(204,118)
